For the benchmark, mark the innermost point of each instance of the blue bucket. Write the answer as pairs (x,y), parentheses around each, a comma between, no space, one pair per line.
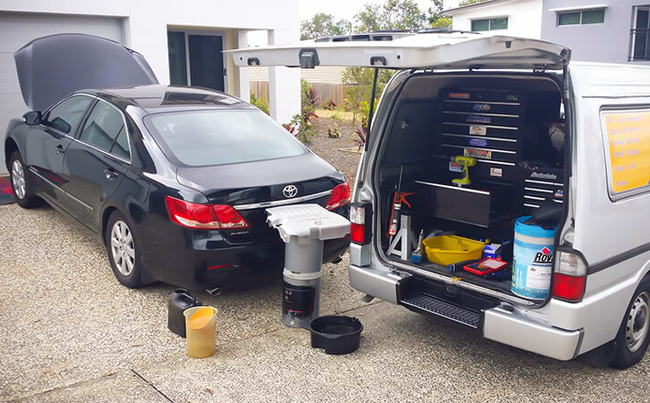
(532,267)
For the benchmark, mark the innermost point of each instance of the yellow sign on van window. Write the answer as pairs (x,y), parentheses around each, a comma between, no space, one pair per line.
(628,134)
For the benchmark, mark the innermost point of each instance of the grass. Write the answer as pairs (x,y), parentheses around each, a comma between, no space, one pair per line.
(344,115)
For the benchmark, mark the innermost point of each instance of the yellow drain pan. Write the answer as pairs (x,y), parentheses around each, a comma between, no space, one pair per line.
(448,249)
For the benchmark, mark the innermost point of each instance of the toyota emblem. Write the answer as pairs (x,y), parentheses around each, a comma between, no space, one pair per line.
(290,191)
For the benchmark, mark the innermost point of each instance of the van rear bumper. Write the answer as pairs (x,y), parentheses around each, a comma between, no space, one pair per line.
(514,329)
(495,323)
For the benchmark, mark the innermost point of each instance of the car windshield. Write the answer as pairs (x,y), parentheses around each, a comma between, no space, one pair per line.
(217,137)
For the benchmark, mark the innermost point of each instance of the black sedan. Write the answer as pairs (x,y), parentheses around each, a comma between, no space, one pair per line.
(175,180)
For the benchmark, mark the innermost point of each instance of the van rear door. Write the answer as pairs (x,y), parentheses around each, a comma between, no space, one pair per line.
(448,50)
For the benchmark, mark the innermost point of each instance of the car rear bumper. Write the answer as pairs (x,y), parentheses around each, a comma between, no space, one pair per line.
(511,327)
(201,260)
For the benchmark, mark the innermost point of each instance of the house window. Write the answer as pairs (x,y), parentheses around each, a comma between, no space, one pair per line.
(640,35)
(196,59)
(581,17)
(490,24)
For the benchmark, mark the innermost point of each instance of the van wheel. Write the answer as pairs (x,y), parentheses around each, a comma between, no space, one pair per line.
(20,182)
(123,252)
(634,335)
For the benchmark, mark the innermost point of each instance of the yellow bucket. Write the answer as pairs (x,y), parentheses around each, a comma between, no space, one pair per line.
(448,249)
(200,323)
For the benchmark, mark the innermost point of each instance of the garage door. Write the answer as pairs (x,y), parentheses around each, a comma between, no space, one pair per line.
(18,29)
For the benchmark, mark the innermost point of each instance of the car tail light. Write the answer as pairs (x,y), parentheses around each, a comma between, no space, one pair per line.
(221,266)
(569,277)
(340,196)
(360,223)
(229,217)
(203,216)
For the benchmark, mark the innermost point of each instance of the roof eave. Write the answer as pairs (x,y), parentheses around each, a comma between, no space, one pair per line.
(453,11)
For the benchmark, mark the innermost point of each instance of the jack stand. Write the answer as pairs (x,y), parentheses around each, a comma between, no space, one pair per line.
(403,238)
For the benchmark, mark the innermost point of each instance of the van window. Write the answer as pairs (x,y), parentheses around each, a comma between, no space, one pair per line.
(626,135)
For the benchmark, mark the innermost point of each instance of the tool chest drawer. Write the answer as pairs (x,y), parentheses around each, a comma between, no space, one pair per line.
(540,185)
(470,206)
(487,125)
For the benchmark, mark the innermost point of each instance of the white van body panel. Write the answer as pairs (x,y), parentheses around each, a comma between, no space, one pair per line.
(604,228)
(600,312)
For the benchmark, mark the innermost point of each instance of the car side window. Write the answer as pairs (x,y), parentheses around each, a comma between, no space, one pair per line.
(105,130)
(66,116)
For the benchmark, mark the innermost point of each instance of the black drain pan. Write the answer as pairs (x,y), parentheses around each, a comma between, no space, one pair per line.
(336,334)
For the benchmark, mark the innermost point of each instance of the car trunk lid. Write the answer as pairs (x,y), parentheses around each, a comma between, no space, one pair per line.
(253,188)
(52,67)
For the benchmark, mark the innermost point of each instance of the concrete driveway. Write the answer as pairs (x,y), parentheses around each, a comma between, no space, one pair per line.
(70,332)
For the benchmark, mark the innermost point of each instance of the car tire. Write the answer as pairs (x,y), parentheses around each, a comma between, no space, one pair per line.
(634,334)
(123,250)
(20,182)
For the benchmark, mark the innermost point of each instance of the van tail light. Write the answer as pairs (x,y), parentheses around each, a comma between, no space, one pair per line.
(340,196)
(203,216)
(361,223)
(569,277)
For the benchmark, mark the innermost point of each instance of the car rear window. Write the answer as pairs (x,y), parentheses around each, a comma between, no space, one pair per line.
(217,137)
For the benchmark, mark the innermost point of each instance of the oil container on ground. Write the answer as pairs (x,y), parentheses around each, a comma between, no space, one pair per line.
(179,301)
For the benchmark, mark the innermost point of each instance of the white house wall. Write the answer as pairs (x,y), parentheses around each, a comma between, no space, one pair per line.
(525,17)
(605,42)
(146,23)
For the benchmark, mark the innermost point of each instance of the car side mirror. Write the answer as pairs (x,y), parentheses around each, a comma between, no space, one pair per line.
(60,125)
(33,118)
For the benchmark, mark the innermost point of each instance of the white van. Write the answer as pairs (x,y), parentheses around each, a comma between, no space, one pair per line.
(565,143)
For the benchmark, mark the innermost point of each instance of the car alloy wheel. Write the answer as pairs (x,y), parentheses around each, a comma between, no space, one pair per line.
(18,179)
(638,322)
(122,248)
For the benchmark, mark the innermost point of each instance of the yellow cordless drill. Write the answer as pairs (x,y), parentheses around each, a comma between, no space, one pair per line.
(465,163)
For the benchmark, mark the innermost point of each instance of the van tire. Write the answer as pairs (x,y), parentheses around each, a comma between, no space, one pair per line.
(628,350)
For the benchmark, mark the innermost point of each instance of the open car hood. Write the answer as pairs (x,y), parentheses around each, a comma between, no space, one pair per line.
(448,50)
(52,67)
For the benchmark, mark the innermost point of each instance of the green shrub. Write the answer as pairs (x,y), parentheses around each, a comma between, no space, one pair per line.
(260,103)
(303,131)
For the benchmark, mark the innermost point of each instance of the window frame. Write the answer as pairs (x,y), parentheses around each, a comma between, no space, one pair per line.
(46,115)
(489,20)
(613,109)
(85,120)
(578,11)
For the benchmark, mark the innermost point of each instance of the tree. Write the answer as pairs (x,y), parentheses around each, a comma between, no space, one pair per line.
(404,15)
(436,19)
(359,86)
(464,3)
(368,19)
(321,25)
(392,15)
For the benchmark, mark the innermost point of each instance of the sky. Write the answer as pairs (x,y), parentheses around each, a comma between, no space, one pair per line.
(348,8)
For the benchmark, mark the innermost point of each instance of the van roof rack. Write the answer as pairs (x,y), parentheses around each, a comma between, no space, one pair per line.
(388,35)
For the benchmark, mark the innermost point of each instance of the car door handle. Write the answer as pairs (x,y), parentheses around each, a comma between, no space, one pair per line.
(110,174)
(59,149)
